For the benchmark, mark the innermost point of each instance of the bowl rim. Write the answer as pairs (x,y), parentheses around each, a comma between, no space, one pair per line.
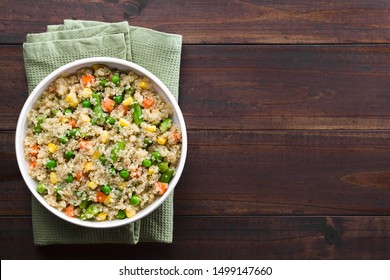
(78,64)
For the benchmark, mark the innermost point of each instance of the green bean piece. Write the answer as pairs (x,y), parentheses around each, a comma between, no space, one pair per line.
(73,132)
(69,154)
(99,114)
(162,166)
(55,111)
(106,189)
(137,113)
(130,90)
(86,104)
(84,204)
(51,164)
(41,188)
(135,200)
(117,148)
(118,99)
(93,209)
(167,176)
(121,215)
(148,143)
(124,174)
(112,170)
(147,162)
(69,178)
(157,156)
(165,125)
(68,111)
(110,120)
(115,79)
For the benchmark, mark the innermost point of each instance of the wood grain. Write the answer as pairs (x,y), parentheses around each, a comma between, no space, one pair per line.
(260,87)
(262,173)
(215,22)
(225,238)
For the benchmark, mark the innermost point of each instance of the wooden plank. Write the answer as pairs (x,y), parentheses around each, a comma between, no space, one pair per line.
(262,173)
(225,238)
(216,22)
(260,87)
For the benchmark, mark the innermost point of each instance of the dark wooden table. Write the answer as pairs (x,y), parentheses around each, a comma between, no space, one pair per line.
(287,105)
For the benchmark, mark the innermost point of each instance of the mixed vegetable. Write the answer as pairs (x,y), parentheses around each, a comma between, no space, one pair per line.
(107,104)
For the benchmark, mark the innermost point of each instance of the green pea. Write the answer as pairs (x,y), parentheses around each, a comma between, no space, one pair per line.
(51,164)
(135,200)
(157,156)
(163,166)
(130,90)
(103,82)
(124,174)
(64,140)
(147,162)
(69,154)
(102,159)
(41,188)
(69,178)
(106,189)
(86,104)
(121,215)
(115,79)
(118,99)
(68,111)
(73,132)
(110,120)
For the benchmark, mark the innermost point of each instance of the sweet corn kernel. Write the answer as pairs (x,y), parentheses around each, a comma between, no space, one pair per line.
(143,85)
(150,171)
(128,101)
(151,128)
(53,178)
(52,148)
(101,216)
(84,118)
(130,212)
(64,120)
(86,93)
(104,136)
(122,186)
(96,155)
(124,122)
(72,100)
(108,199)
(92,185)
(88,166)
(161,140)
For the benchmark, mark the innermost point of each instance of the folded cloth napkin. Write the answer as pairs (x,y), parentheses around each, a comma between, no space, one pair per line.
(158,52)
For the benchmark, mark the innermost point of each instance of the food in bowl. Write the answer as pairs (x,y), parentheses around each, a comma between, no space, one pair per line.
(101,144)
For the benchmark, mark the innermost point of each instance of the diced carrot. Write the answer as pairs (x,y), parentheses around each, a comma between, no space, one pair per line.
(79,175)
(108,104)
(135,173)
(73,123)
(160,187)
(69,211)
(100,197)
(33,164)
(148,102)
(87,80)
(35,150)
(85,144)
(176,135)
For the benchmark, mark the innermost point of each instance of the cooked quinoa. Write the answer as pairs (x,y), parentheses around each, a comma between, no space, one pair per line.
(101,144)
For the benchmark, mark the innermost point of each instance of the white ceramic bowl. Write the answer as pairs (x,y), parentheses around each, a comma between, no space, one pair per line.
(70,68)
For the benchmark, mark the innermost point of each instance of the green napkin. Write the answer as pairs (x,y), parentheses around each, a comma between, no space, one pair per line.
(75,39)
